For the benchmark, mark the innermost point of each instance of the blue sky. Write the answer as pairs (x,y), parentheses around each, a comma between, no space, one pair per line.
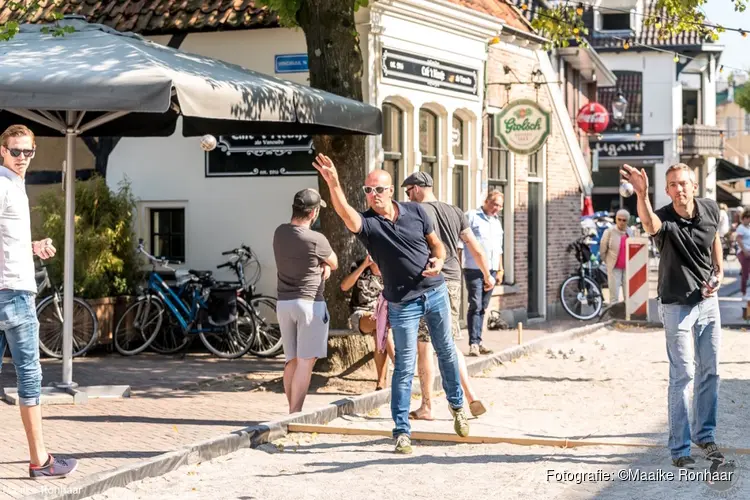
(736,49)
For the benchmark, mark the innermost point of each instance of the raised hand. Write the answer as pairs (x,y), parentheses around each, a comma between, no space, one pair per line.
(327,169)
(639,180)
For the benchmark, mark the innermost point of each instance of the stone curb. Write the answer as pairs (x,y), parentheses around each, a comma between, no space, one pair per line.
(256,435)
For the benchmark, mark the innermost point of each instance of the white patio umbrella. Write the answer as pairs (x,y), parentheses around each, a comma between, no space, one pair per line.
(96,81)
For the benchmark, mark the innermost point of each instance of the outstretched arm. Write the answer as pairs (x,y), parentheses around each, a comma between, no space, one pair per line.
(348,214)
(639,180)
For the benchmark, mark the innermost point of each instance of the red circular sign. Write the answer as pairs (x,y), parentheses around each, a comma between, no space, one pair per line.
(593,118)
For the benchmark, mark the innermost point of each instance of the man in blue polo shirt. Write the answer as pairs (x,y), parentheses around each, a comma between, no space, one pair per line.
(402,241)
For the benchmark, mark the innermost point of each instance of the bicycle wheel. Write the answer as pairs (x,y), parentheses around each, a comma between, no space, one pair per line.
(139,325)
(49,312)
(582,299)
(171,338)
(236,338)
(268,343)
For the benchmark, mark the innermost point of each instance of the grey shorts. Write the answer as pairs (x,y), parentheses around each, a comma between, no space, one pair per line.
(304,328)
(454,294)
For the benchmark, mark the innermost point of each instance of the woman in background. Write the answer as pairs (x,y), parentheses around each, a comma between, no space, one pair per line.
(612,251)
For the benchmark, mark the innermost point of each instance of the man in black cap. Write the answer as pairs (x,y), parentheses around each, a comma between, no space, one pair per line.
(452,227)
(304,261)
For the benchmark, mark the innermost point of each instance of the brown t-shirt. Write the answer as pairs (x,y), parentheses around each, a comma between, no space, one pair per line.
(299,251)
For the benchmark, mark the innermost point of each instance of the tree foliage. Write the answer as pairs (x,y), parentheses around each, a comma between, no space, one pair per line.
(564,23)
(742,97)
(23,10)
(287,10)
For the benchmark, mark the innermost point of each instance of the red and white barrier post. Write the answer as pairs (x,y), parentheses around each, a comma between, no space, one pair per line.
(636,278)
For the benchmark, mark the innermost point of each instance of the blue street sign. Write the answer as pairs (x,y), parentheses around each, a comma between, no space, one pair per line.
(291,63)
(747,183)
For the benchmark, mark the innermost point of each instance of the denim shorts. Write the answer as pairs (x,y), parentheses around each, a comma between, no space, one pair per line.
(19,330)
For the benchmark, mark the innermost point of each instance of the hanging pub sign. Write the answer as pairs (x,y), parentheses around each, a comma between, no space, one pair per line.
(628,149)
(523,126)
(428,71)
(593,118)
(261,156)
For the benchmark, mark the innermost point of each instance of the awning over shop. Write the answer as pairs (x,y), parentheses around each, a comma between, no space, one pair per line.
(732,178)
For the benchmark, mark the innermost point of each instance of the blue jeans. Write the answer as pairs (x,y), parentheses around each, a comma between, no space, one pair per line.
(692,329)
(404,319)
(19,329)
(478,302)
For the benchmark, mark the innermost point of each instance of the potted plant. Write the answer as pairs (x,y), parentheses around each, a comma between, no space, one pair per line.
(106,269)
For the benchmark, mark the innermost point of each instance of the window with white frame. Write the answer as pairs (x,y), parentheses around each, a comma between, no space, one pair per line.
(747,122)
(499,177)
(393,143)
(428,141)
(460,162)
(167,232)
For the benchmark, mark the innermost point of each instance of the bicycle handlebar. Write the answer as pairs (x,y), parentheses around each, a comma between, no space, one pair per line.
(221,266)
(154,260)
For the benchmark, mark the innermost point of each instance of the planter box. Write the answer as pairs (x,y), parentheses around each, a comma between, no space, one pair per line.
(108,311)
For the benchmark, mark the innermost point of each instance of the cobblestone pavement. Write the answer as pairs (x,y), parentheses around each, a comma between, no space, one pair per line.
(167,409)
(609,386)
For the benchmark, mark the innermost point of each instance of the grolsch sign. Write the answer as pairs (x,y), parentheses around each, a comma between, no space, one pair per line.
(523,126)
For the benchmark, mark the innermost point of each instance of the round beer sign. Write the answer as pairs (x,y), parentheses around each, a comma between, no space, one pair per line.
(522,126)
(593,118)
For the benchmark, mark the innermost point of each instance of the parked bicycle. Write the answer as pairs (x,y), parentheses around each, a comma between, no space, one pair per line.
(581,294)
(49,312)
(263,307)
(221,318)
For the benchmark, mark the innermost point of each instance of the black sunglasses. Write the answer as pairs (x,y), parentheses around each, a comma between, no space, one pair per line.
(377,189)
(15,153)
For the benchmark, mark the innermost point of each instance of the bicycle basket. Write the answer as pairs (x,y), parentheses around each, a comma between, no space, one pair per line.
(222,306)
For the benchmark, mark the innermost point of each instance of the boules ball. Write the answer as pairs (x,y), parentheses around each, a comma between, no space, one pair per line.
(208,142)
(626,190)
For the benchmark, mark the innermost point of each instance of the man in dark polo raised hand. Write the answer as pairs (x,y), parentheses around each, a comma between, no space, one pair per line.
(402,241)
(690,273)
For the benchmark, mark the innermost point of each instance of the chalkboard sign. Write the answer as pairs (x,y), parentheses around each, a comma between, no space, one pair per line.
(261,156)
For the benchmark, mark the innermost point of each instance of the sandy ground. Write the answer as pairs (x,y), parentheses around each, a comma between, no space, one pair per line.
(610,386)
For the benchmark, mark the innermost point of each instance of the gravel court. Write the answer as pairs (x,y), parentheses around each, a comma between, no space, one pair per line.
(611,387)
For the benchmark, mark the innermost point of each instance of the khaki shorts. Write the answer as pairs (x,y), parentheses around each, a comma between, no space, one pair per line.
(304,328)
(454,294)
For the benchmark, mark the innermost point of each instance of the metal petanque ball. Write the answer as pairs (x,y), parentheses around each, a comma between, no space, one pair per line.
(208,142)
(626,189)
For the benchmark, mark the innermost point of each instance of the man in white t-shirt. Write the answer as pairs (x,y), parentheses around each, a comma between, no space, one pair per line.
(19,327)
(743,243)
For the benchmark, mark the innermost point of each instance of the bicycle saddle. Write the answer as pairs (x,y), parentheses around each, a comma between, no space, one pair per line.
(201,274)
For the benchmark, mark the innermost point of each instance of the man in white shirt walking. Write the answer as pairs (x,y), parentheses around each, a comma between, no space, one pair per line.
(19,328)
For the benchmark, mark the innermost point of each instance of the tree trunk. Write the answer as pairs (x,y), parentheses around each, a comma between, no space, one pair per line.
(336,66)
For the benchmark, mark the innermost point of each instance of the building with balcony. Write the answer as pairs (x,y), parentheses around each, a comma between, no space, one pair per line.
(663,108)
(735,122)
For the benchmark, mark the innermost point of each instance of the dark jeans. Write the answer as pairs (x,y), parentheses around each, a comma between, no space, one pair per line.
(478,302)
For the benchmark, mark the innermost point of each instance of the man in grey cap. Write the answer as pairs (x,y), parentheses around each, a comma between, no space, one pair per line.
(452,227)
(304,261)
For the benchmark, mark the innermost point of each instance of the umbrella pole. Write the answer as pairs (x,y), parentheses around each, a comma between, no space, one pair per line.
(68,273)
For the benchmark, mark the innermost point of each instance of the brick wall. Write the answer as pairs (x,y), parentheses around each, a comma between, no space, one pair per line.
(562,191)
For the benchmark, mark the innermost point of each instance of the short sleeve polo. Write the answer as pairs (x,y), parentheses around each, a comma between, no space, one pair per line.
(401,251)
(685,247)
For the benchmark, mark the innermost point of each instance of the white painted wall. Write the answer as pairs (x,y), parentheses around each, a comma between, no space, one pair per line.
(220,213)
(658,86)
